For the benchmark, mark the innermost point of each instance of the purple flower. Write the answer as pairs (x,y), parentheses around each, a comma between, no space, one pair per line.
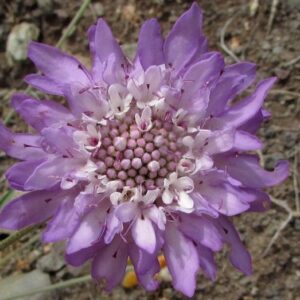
(151,155)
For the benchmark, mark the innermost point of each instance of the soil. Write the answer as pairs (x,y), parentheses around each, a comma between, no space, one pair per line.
(275,275)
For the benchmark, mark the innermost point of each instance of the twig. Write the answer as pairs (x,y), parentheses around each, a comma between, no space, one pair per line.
(16,236)
(292,213)
(291,62)
(56,286)
(222,40)
(277,234)
(274,7)
(285,92)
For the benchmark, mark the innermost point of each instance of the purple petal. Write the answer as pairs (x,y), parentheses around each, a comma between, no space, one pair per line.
(58,66)
(86,102)
(40,114)
(20,146)
(147,279)
(105,44)
(201,230)
(110,263)
(49,173)
(97,69)
(150,53)
(44,84)
(244,141)
(207,262)
(126,211)
(113,227)
(233,80)
(143,234)
(18,174)
(239,256)
(182,42)
(182,260)
(29,209)
(244,110)
(88,232)
(200,75)
(247,170)
(63,223)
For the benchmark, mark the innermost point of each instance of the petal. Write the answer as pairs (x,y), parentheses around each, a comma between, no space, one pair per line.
(58,66)
(30,209)
(113,226)
(207,262)
(97,64)
(50,172)
(83,101)
(20,146)
(105,44)
(147,279)
(88,232)
(220,141)
(18,174)
(110,263)
(61,140)
(244,110)
(141,259)
(235,78)
(156,215)
(185,201)
(127,211)
(182,260)
(40,114)
(246,169)
(150,53)
(167,196)
(63,223)
(200,75)
(244,141)
(225,200)
(201,230)
(182,42)
(44,84)
(239,256)
(143,234)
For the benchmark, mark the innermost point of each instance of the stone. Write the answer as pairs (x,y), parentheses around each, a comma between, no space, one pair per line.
(46,6)
(18,40)
(51,262)
(21,284)
(98,9)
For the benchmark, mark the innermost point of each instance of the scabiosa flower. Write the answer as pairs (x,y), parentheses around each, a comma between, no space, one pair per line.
(151,156)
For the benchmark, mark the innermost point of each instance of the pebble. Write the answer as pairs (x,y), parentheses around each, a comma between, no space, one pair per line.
(18,40)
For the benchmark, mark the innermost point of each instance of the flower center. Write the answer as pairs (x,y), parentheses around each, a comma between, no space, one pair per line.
(137,157)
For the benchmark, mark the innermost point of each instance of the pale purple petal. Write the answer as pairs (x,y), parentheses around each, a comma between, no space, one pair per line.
(30,209)
(182,42)
(182,260)
(110,263)
(150,53)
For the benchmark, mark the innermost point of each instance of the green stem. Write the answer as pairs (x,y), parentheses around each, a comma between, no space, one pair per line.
(16,236)
(59,285)
(32,240)
(73,23)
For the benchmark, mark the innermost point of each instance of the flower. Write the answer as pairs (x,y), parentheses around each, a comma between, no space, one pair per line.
(151,156)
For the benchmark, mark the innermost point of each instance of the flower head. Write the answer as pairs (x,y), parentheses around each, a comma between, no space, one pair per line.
(150,156)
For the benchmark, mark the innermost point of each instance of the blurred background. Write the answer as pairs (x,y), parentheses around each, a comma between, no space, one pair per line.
(266,32)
